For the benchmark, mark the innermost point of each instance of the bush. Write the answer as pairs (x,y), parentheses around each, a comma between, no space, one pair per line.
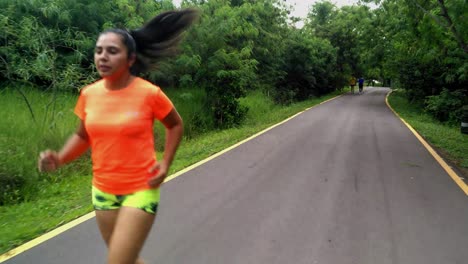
(192,106)
(447,106)
(10,189)
(231,74)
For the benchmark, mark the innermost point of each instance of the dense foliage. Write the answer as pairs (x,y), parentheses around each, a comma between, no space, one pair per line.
(426,52)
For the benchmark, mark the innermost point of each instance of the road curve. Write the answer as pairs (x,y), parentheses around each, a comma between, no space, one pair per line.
(345,182)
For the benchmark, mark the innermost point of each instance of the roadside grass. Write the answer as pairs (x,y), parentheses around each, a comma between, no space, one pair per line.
(54,199)
(446,138)
(23,135)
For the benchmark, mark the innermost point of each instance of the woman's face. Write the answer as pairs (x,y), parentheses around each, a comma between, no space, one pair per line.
(111,57)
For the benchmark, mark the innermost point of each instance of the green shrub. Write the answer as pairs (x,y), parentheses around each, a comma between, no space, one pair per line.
(447,106)
(191,105)
(10,189)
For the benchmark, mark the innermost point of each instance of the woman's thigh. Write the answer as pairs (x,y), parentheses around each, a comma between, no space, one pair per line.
(106,220)
(129,234)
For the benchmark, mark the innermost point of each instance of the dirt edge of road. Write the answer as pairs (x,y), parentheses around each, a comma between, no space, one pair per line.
(452,162)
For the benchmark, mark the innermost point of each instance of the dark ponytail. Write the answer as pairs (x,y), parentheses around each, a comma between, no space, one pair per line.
(160,37)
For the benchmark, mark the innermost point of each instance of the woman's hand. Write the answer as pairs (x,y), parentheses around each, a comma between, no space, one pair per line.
(48,161)
(174,129)
(161,172)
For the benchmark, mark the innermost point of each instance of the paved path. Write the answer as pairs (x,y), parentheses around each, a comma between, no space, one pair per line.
(343,183)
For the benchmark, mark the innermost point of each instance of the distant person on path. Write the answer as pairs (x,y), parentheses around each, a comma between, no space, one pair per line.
(352,83)
(116,122)
(361,84)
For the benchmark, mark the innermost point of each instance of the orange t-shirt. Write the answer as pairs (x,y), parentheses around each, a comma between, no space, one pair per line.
(120,128)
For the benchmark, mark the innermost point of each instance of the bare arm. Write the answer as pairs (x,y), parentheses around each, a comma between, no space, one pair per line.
(174,131)
(74,147)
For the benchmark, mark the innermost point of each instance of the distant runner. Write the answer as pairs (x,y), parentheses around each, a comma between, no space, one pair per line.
(352,83)
(361,84)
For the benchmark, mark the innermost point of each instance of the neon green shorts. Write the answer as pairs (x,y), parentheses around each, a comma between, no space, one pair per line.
(146,200)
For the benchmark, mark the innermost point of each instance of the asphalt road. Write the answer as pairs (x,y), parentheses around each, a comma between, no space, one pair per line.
(343,183)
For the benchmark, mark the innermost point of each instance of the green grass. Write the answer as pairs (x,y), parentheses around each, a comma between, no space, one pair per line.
(445,137)
(51,200)
(56,205)
(22,137)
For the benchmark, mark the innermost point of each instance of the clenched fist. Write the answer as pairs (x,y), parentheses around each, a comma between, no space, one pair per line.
(48,161)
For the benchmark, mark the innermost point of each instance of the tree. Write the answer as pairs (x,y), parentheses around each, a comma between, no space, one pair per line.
(428,54)
(218,57)
(344,28)
(309,65)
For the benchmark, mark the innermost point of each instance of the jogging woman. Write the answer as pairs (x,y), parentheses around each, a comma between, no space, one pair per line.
(116,122)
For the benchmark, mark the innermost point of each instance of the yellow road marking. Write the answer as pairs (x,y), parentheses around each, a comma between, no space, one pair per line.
(10,254)
(436,156)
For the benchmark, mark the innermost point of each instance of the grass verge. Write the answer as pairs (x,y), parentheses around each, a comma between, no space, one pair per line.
(446,138)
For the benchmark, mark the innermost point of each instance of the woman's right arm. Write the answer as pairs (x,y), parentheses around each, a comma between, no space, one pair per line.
(75,146)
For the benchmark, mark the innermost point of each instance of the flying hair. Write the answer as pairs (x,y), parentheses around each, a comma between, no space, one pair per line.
(157,39)
(160,37)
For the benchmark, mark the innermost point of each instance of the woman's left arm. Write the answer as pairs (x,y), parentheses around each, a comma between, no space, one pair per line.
(174,131)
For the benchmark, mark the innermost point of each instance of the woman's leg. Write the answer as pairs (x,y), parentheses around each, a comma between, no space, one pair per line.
(125,221)
(106,221)
(129,232)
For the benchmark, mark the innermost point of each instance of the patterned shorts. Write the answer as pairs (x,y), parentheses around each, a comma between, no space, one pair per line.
(146,200)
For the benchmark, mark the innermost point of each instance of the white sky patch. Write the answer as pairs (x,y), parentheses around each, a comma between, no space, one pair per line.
(301,7)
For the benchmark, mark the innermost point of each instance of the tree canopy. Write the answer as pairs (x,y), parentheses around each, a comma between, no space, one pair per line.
(242,45)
